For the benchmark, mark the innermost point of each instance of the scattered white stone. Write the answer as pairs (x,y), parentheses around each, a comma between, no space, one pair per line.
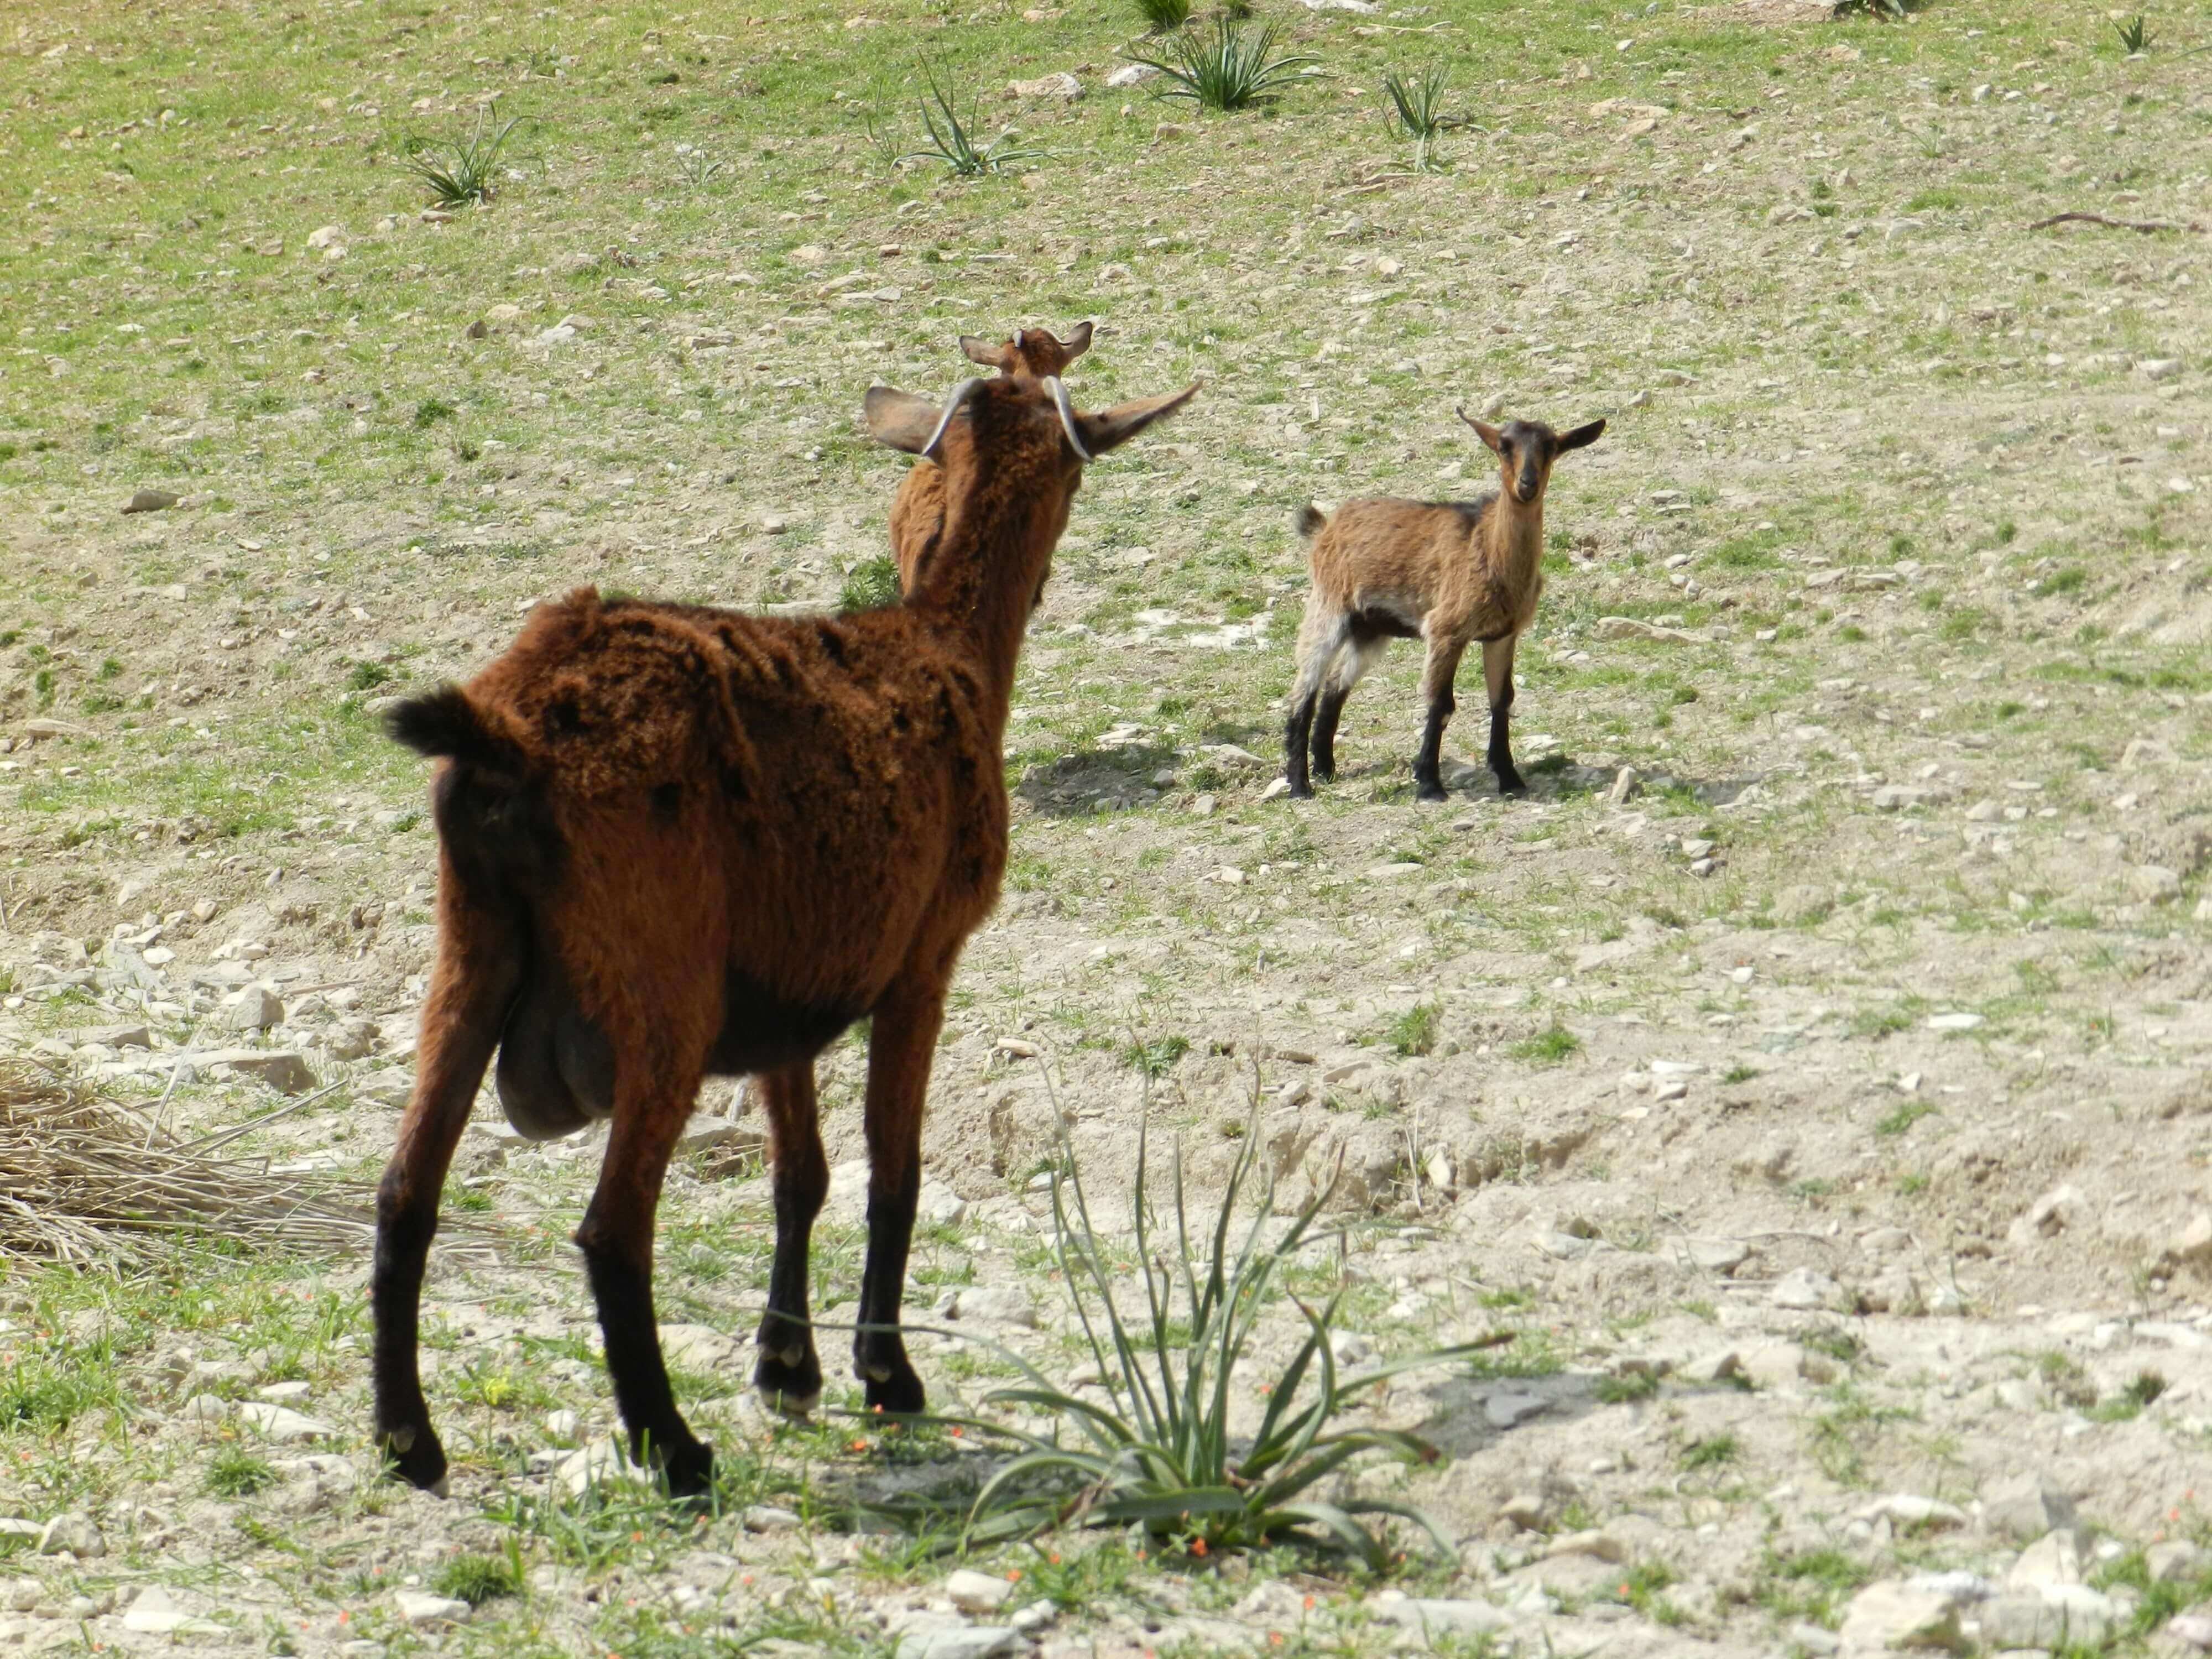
(1905,1509)
(767,1517)
(1435,1616)
(72,1535)
(275,1422)
(1060,84)
(419,1607)
(2160,369)
(977,1592)
(1507,1410)
(2172,1561)
(1888,1614)
(962,1642)
(1130,75)
(1805,1289)
(2051,1560)
(1954,1022)
(155,1613)
(995,1304)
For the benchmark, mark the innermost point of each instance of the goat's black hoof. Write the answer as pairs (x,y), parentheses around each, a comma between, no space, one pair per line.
(1324,771)
(1301,792)
(413,1453)
(1431,793)
(689,1469)
(1511,783)
(899,1395)
(791,1386)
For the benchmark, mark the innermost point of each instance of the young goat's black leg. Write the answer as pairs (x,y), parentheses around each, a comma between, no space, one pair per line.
(616,1240)
(789,1373)
(1329,710)
(1437,677)
(1297,731)
(481,959)
(901,1042)
(1497,681)
(1322,644)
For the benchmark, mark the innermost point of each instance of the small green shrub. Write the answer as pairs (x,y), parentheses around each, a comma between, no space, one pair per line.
(871,584)
(477,1579)
(951,140)
(234,1472)
(431,410)
(2135,34)
(1161,15)
(1415,1032)
(1157,1057)
(1546,1047)
(1232,69)
(366,677)
(462,175)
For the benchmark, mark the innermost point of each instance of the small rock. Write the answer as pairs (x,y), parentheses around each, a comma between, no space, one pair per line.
(206,1410)
(2053,1559)
(325,236)
(253,1009)
(2193,1246)
(1888,1614)
(767,1518)
(286,1394)
(275,1422)
(1436,1616)
(940,1207)
(1905,1509)
(282,1069)
(2145,752)
(602,1461)
(1713,1367)
(1803,1289)
(152,500)
(2194,1628)
(419,1607)
(977,1592)
(1130,75)
(2154,883)
(2049,1216)
(2172,1561)
(1954,1022)
(706,1131)
(1507,1410)
(1780,1364)
(154,1613)
(1061,85)
(1626,784)
(2024,1506)
(962,1642)
(2160,369)
(72,1535)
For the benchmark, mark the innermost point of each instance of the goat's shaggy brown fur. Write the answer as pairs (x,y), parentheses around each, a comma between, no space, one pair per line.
(918,508)
(1448,573)
(676,841)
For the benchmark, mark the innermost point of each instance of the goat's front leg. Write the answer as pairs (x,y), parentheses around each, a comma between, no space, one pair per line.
(1497,681)
(651,1105)
(901,1044)
(1436,678)
(789,1373)
(480,962)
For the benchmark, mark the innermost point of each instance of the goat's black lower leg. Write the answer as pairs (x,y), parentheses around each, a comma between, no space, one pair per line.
(1497,681)
(480,966)
(789,1373)
(1297,731)
(616,1240)
(901,1042)
(1326,715)
(1428,765)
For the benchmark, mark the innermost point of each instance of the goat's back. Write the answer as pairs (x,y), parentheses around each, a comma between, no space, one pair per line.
(1386,544)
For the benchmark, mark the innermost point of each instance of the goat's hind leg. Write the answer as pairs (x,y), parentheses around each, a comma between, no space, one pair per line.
(1328,643)
(481,956)
(901,1042)
(789,1372)
(651,1105)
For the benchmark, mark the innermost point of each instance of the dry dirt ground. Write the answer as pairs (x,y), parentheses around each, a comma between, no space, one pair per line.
(1803,1089)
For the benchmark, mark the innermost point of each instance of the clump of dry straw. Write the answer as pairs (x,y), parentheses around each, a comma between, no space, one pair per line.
(85,1179)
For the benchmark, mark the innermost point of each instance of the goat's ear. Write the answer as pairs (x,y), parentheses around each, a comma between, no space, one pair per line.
(983,351)
(1112,428)
(1482,429)
(900,419)
(1581,436)
(1077,343)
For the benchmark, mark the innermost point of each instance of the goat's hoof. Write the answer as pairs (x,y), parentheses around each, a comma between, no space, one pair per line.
(1324,771)
(899,1395)
(689,1470)
(791,1385)
(1511,783)
(1301,792)
(1430,793)
(411,1452)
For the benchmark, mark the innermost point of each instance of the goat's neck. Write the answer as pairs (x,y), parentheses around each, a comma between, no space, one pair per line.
(981,583)
(1514,536)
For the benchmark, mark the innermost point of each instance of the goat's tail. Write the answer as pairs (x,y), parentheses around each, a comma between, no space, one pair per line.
(1310,521)
(444,723)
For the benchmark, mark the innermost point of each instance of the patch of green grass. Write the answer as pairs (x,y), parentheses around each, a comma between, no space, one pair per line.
(1903,1117)
(1814,1586)
(1709,1453)
(368,675)
(871,584)
(1625,1388)
(234,1472)
(1740,1073)
(1552,1046)
(1234,68)
(1161,15)
(1415,1032)
(477,1579)
(462,174)
(1157,1057)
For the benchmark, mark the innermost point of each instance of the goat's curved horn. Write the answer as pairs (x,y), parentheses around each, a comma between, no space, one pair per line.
(1066,415)
(961,393)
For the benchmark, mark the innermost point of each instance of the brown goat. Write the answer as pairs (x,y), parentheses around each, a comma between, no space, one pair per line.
(676,842)
(918,509)
(1448,573)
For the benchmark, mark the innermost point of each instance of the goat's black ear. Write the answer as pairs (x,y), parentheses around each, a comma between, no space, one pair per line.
(982,351)
(900,419)
(1077,343)
(1111,428)
(1581,436)
(1482,429)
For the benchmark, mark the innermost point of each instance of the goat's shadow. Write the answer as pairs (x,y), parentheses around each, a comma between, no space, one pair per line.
(1074,785)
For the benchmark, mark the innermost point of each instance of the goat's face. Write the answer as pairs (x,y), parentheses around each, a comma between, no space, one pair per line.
(1526,449)
(1031,351)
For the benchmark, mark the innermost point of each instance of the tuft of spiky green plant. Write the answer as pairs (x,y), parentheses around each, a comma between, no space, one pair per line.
(1416,108)
(1162,15)
(236,1471)
(1158,1453)
(871,584)
(1413,1033)
(951,140)
(460,174)
(1230,68)
(2133,31)
(477,1579)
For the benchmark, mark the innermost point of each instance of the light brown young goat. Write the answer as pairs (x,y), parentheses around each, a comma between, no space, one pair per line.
(1448,573)
(918,509)
(675,841)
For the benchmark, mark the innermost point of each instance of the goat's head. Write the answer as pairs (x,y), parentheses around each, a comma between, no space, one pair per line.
(1018,421)
(1031,351)
(1526,449)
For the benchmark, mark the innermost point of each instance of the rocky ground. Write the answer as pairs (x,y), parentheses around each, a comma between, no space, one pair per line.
(1800,1096)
